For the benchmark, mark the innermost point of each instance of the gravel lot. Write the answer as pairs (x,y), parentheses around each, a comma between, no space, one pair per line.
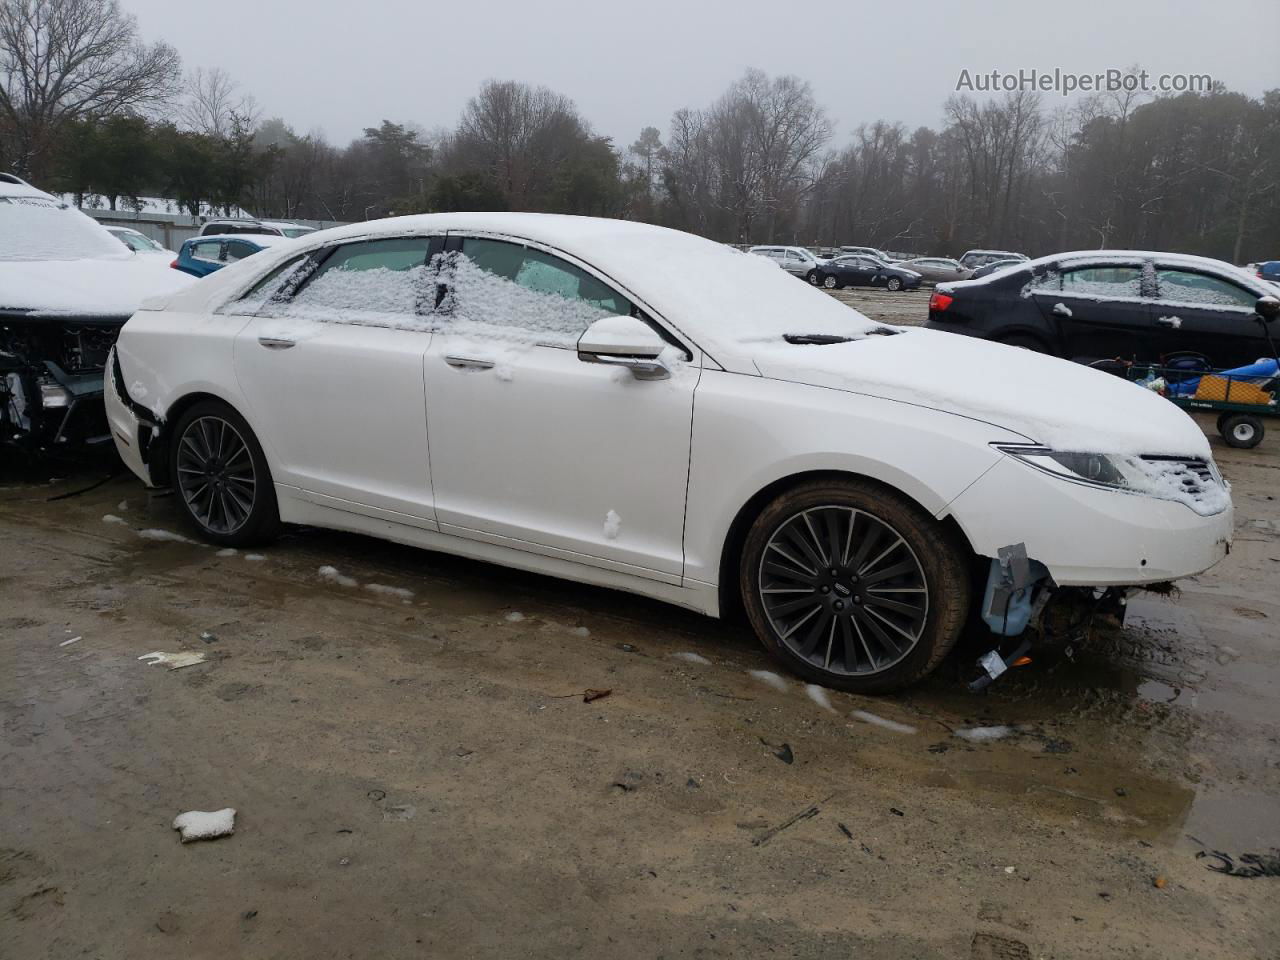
(417,773)
(907,307)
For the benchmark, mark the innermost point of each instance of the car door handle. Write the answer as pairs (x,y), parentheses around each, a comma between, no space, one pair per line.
(276,343)
(468,363)
(1175,322)
(1061,310)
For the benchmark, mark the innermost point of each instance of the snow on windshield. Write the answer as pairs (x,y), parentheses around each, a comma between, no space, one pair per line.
(33,228)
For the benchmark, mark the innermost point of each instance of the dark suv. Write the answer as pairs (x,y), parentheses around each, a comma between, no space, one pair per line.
(1113,304)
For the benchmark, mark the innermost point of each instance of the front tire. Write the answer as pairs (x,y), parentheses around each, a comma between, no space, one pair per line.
(894,284)
(853,586)
(220,477)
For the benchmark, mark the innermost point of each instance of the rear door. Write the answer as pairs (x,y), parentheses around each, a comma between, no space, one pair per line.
(333,378)
(1098,310)
(1201,312)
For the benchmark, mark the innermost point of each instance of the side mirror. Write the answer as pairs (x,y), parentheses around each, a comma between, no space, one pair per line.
(1268,308)
(624,342)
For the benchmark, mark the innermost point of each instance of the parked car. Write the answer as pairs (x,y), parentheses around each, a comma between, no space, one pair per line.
(139,242)
(995,266)
(972,259)
(863,271)
(520,388)
(795,260)
(1269,270)
(201,256)
(272,228)
(936,269)
(66,288)
(1124,304)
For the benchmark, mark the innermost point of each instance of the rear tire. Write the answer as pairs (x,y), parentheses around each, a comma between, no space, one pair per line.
(813,277)
(831,283)
(220,477)
(1241,430)
(852,586)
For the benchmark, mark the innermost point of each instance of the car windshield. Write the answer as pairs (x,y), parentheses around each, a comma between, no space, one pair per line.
(139,241)
(38,228)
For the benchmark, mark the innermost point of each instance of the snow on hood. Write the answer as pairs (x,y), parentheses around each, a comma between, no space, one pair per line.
(109,286)
(1055,402)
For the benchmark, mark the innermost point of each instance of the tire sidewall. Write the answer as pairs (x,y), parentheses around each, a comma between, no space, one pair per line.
(940,558)
(264,518)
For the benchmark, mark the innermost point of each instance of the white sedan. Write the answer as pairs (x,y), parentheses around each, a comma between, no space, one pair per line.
(636,407)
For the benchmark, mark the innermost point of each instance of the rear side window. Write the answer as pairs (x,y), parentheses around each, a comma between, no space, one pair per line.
(238,250)
(1113,281)
(207,252)
(1183,286)
(360,282)
(509,291)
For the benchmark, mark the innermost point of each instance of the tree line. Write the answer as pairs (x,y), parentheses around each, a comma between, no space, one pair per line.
(86,108)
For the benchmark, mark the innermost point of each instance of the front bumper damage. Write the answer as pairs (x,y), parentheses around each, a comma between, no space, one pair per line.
(51,380)
(134,427)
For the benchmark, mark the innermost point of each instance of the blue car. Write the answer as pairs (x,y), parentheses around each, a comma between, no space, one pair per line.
(201,256)
(1270,270)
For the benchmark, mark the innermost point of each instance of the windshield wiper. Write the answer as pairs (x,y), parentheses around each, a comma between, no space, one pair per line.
(818,339)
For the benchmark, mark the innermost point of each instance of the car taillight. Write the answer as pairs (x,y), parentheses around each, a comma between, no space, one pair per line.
(940,301)
(174,264)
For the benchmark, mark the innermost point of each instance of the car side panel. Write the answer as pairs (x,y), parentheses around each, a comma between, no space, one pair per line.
(749,432)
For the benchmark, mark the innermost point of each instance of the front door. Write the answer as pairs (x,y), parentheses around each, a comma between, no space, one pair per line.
(1198,312)
(333,379)
(538,450)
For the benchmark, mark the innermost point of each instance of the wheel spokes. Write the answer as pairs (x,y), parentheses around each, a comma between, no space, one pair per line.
(215,474)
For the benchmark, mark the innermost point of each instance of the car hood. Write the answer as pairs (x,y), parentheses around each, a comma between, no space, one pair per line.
(1047,400)
(88,287)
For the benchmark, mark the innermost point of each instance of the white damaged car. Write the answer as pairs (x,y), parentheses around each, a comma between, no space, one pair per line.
(635,407)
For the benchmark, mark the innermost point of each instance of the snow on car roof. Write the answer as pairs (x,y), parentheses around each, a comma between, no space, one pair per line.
(1081,257)
(720,297)
(261,239)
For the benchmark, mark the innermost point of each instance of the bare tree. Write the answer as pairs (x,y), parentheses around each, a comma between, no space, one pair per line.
(61,60)
(213,104)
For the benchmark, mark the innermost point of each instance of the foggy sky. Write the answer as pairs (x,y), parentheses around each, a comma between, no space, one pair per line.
(339,66)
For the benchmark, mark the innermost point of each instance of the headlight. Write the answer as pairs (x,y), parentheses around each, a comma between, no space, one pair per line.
(1190,481)
(52,395)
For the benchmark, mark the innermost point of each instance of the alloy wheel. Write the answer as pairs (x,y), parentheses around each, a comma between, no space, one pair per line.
(843,590)
(216,475)
(829,283)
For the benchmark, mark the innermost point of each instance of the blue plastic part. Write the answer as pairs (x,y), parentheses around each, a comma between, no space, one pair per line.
(1007,609)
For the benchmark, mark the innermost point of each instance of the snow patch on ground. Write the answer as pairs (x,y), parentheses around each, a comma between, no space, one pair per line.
(154,533)
(333,576)
(770,679)
(580,632)
(878,721)
(515,616)
(174,661)
(819,696)
(123,506)
(612,525)
(984,734)
(67,643)
(112,518)
(383,590)
(226,552)
(255,557)
(202,825)
(691,657)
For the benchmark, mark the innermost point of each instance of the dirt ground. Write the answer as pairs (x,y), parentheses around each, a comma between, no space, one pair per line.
(417,774)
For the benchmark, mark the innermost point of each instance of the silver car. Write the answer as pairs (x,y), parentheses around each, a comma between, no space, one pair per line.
(794,260)
(936,269)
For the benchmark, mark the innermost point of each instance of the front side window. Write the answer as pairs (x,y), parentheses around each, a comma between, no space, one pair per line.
(368,280)
(1183,286)
(510,291)
(264,289)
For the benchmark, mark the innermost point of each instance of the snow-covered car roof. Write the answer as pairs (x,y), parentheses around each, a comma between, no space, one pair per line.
(1082,257)
(1010,254)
